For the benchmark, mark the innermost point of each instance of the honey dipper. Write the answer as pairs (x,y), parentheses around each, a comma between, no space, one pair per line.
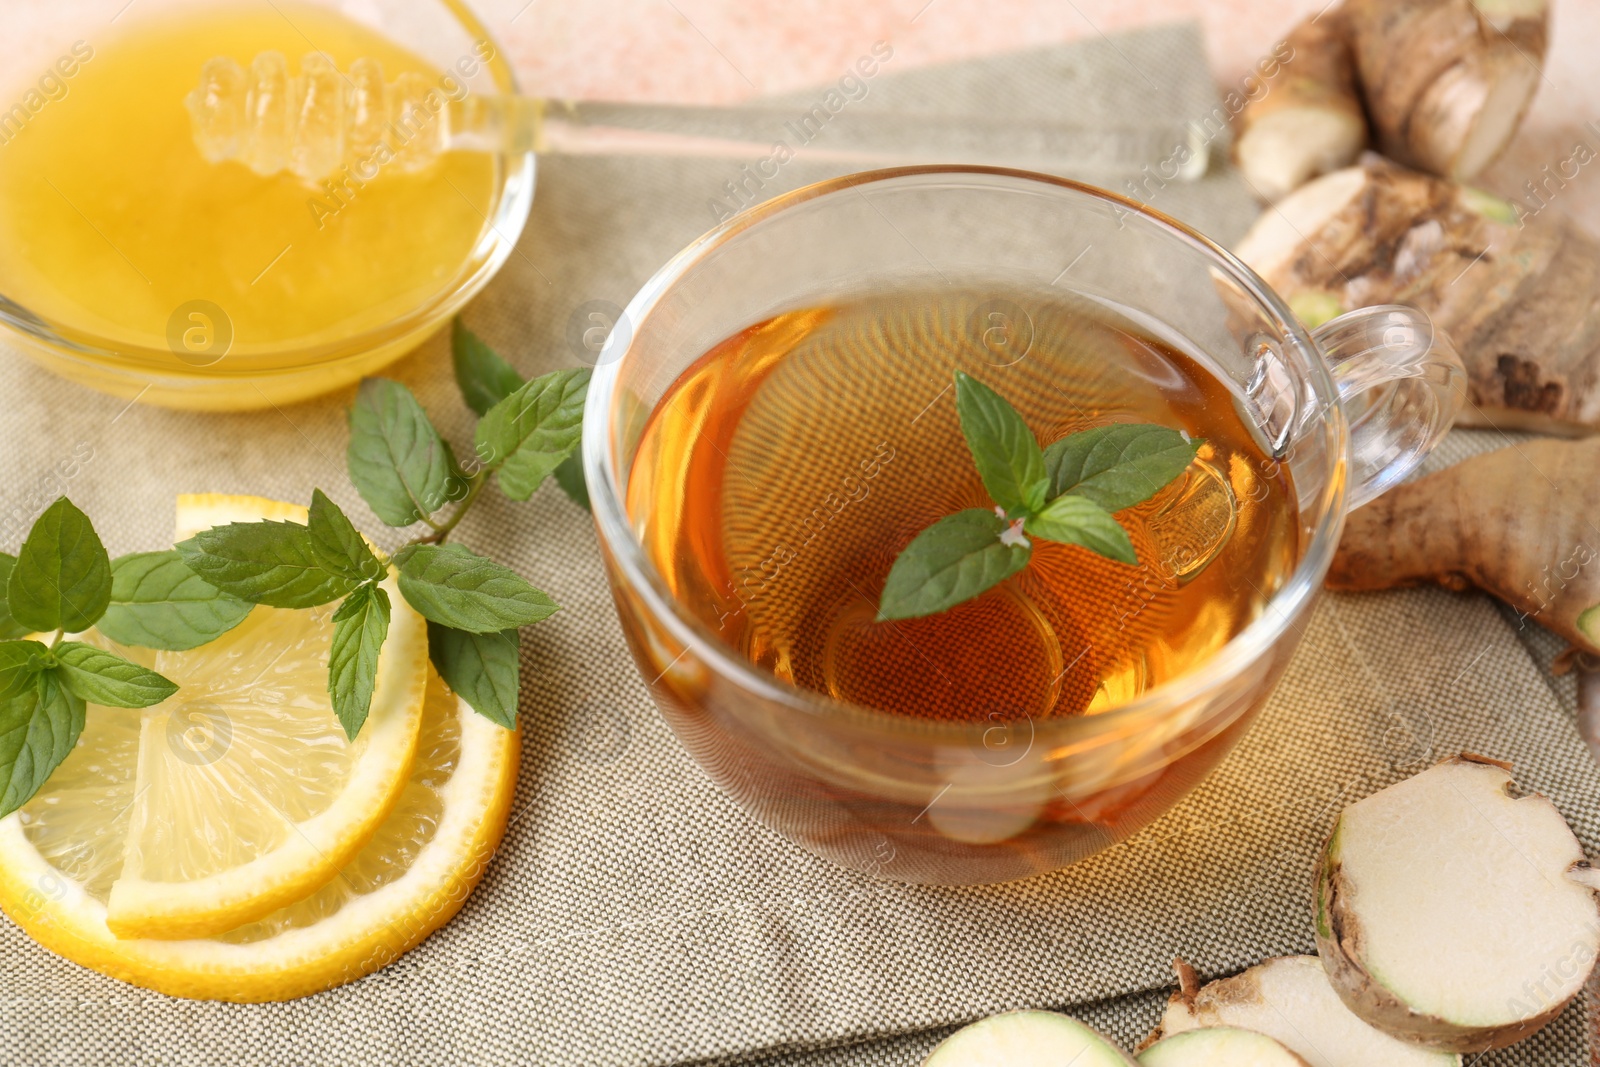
(321,120)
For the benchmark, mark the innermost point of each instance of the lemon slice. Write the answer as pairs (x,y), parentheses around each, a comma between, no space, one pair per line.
(245,793)
(412,876)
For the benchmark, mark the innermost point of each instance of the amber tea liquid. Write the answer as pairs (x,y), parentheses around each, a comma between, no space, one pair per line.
(784,471)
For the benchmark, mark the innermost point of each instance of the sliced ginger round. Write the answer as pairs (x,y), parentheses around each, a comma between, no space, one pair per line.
(240,794)
(410,878)
(1027,1039)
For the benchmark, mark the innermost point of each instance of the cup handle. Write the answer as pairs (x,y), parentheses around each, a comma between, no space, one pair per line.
(1401,385)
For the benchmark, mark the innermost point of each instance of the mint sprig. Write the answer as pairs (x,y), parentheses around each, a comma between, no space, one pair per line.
(360,627)
(482,668)
(534,430)
(279,564)
(1064,493)
(9,628)
(158,602)
(102,677)
(408,474)
(454,587)
(397,460)
(482,376)
(60,582)
(485,380)
(37,730)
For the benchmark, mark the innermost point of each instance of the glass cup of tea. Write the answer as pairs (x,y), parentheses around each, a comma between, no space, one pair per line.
(773,420)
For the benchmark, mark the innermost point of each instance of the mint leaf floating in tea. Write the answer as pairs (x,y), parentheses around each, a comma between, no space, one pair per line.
(101,677)
(158,602)
(1120,465)
(359,628)
(398,462)
(37,730)
(1077,520)
(951,561)
(1007,454)
(531,432)
(481,668)
(1065,493)
(62,578)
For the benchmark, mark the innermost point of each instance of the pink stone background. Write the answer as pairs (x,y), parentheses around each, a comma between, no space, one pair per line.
(726,50)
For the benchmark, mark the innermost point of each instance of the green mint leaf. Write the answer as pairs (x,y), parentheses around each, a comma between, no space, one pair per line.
(483,377)
(102,677)
(1007,454)
(9,627)
(453,587)
(482,669)
(272,563)
(340,547)
(158,602)
(1118,466)
(359,628)
(62,578)
(20,662)
(527,435)
(37,730)
(397,460)
(1077,520)
(952,561)
(569,475)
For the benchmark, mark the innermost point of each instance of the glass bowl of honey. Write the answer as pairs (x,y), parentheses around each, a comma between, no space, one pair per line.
(131,263)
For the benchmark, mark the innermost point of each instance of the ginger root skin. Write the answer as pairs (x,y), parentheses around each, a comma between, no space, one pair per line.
(1447,82)
(1310,121)
(1519,298)
(1518,523)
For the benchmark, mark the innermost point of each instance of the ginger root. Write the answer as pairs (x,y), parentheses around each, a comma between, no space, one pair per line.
(1447,81)
(1518,523)
(1521,302)
(1444,83)
(1310,121)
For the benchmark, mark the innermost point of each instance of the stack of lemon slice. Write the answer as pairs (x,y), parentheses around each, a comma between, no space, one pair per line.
(231,843)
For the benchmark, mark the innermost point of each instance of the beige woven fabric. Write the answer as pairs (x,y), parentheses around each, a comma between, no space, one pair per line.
(634,915)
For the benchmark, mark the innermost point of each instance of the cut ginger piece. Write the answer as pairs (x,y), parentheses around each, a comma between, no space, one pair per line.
(1290,1000)
(1454,911)
(1027,1039)
(1219,1046)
